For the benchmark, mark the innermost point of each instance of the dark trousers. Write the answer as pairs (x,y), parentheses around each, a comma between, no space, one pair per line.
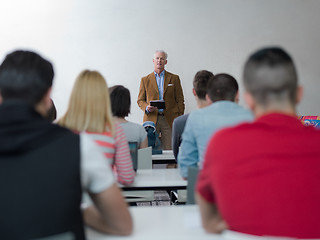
(165,132)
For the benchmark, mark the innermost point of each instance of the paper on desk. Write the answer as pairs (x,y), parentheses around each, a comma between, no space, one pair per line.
(192,219)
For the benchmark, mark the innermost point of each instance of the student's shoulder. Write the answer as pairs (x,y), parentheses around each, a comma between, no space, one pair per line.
(60,131)
(181,118)
(132,125)
(237,132)
(196,114)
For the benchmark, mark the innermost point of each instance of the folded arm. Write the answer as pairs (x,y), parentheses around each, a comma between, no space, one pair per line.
(110,213)
(212,222)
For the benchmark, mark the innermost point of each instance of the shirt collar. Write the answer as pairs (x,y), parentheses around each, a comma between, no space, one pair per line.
(161,74)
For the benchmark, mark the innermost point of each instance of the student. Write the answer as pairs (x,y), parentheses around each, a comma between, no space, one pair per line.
(222,111)
(44,166)
(120,104)
(199,91)
(89,111)
(262,178)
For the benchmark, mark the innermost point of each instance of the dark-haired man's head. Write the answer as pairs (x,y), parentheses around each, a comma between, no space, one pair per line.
(200,83)
(222,87)
(120,101)
(271,80)
(27,77)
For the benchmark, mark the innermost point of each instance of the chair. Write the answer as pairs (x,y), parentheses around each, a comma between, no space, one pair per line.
(144,162)
(145,158)
(133,146)
(192,179)
(186,196)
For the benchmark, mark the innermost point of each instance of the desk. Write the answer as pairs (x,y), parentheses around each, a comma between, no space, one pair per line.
(157,179)
(170,222)
(166,157)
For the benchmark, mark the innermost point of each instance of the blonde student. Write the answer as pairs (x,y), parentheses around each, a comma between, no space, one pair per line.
(89,111)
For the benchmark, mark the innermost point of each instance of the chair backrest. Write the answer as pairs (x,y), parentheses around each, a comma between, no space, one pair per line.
(145,158)
(192,179)
(133,146)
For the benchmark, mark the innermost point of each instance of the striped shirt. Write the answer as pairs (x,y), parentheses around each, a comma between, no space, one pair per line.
(116,150)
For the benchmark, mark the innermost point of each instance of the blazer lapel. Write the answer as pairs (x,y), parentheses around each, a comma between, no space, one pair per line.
(166,81)
(154,84)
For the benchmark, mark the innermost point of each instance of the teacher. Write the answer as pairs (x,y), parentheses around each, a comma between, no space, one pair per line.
(161,85)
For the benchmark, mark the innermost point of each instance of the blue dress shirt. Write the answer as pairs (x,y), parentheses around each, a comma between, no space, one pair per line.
(160,83)
(201,125)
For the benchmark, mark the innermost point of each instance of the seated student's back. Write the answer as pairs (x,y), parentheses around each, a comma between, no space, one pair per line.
(120,103)
(89,110)
(262,178)
(43,166)
(222,111)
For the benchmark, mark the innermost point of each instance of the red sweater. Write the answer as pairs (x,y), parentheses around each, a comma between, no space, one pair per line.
(265,177)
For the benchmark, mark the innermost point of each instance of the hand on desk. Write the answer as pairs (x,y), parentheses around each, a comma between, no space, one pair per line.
(212,221)
(110,214)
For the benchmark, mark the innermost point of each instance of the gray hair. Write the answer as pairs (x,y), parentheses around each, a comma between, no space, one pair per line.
(270,77)
(160,51)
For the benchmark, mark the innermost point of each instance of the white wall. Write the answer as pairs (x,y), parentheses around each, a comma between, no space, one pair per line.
(118,38)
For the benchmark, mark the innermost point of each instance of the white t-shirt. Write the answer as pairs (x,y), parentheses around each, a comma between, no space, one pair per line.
(96,173)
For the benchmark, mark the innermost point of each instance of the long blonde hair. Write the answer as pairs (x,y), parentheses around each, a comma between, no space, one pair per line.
(89,105)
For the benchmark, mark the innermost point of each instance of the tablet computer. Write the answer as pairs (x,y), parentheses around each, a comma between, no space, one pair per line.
(160,104)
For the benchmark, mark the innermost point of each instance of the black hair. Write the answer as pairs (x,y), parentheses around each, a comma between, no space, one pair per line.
(200,83)
(222,87)
(26,76)
(120,101)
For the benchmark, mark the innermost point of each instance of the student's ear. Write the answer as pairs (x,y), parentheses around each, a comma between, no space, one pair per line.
(299,94)
(194,92)
(249,100)
(0,98)
(208,100)
(44,105)
(47,99)
(236,99)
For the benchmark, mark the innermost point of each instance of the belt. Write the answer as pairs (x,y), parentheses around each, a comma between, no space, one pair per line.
(160,113)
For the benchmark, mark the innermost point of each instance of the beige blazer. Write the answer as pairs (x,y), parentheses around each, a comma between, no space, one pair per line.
(172,95)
